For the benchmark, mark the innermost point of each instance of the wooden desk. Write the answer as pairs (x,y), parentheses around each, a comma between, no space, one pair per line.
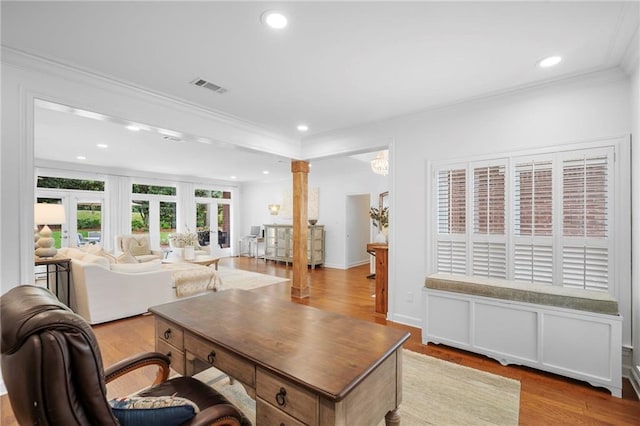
(381,252)
(302,365)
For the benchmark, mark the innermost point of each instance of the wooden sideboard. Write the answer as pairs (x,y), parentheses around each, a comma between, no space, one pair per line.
(381,252)
(279,244)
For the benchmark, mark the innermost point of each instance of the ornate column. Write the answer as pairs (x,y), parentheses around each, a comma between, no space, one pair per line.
(300,285)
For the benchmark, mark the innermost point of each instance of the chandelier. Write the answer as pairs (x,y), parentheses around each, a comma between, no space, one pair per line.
(380,164)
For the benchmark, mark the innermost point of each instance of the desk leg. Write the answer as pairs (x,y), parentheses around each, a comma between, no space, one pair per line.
(392,418)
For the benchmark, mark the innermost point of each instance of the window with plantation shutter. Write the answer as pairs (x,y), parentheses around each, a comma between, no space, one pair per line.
(489,213)
(540,218)
(533,220)
(585,220)
(452,221)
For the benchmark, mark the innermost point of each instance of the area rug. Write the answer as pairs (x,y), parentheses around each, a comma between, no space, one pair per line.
(244,280)
(434,392)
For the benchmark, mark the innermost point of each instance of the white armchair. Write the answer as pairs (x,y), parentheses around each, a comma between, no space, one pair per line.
(138,246)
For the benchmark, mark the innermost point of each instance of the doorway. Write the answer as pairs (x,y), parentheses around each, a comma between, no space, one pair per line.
(357,229)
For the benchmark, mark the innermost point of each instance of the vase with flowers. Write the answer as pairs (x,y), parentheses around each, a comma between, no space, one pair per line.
(185,243)
(380,219)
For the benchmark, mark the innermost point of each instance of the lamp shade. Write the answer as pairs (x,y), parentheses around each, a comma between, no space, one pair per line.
(274,209)
(49,214)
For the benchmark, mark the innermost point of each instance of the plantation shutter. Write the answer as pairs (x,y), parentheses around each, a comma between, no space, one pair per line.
(585,220)
(533,221)
(489,214)
(451,244)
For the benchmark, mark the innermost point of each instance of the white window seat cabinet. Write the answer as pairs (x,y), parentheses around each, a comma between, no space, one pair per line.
(574,343)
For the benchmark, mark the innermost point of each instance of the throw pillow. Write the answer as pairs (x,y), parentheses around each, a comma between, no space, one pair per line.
(153,410)
(71,252)
(92,249)
(96,260)
(138,245)
(126,257)
(111,258)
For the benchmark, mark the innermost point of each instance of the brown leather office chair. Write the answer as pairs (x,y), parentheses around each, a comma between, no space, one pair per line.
(52,368)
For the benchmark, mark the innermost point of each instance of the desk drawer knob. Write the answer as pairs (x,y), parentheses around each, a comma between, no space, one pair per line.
(211,357)
(281,397)
(167,334)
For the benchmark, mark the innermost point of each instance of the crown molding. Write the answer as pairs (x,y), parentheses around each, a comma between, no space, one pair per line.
(67,169)
(631,58)
(257,137)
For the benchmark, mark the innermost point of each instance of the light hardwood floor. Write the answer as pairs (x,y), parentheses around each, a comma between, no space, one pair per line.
(545,399)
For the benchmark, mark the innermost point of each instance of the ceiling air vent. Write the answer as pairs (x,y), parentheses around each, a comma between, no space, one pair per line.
(208,85)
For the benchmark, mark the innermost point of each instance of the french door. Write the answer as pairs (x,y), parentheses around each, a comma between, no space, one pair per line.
(213,224)
(84,216)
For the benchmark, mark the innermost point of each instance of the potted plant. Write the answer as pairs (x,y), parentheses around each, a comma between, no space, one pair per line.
(380,219)
(185,243)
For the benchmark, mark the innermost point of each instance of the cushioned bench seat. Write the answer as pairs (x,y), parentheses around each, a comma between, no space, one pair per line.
(540,294)
(573,332)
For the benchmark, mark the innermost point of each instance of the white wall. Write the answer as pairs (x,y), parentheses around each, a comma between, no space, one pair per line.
(580,109)
(635,208)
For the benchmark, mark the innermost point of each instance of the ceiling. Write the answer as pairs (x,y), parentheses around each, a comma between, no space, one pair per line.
(336,65)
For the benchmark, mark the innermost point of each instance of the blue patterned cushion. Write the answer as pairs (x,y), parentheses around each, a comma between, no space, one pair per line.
(153,410)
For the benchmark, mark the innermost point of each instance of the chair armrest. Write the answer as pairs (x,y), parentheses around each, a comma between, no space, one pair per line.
(138,361)
(220,414)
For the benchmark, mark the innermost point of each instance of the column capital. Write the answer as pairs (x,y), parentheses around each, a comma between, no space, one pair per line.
(299,166)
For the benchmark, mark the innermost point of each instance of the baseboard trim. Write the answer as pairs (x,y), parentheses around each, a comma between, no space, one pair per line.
(634,378)
(406,320)
(627,361)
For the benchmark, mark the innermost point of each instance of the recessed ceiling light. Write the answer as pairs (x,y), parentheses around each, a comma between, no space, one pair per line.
(232,177)
(133,128)
(550,61)
(170,133)
(274,19)
(303,127)
(81,157)
(265,172)
(102,145)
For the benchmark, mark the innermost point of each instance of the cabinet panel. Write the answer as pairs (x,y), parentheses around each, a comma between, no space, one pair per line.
(279,244)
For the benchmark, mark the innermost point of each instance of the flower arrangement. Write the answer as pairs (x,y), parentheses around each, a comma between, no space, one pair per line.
(186,239)
(380,217)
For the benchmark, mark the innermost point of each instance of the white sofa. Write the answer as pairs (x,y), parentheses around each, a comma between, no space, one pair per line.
(102,291)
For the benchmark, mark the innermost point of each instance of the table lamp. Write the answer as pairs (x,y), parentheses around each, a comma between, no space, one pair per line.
(47,214)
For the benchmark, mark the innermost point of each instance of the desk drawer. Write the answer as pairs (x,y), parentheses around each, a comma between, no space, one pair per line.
(170,333)
(176,355)
(222,359)
(288,397)
(268,415)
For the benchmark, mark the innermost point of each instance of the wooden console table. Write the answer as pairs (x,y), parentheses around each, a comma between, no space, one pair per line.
(59,265)
(381,252)
(303,366)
